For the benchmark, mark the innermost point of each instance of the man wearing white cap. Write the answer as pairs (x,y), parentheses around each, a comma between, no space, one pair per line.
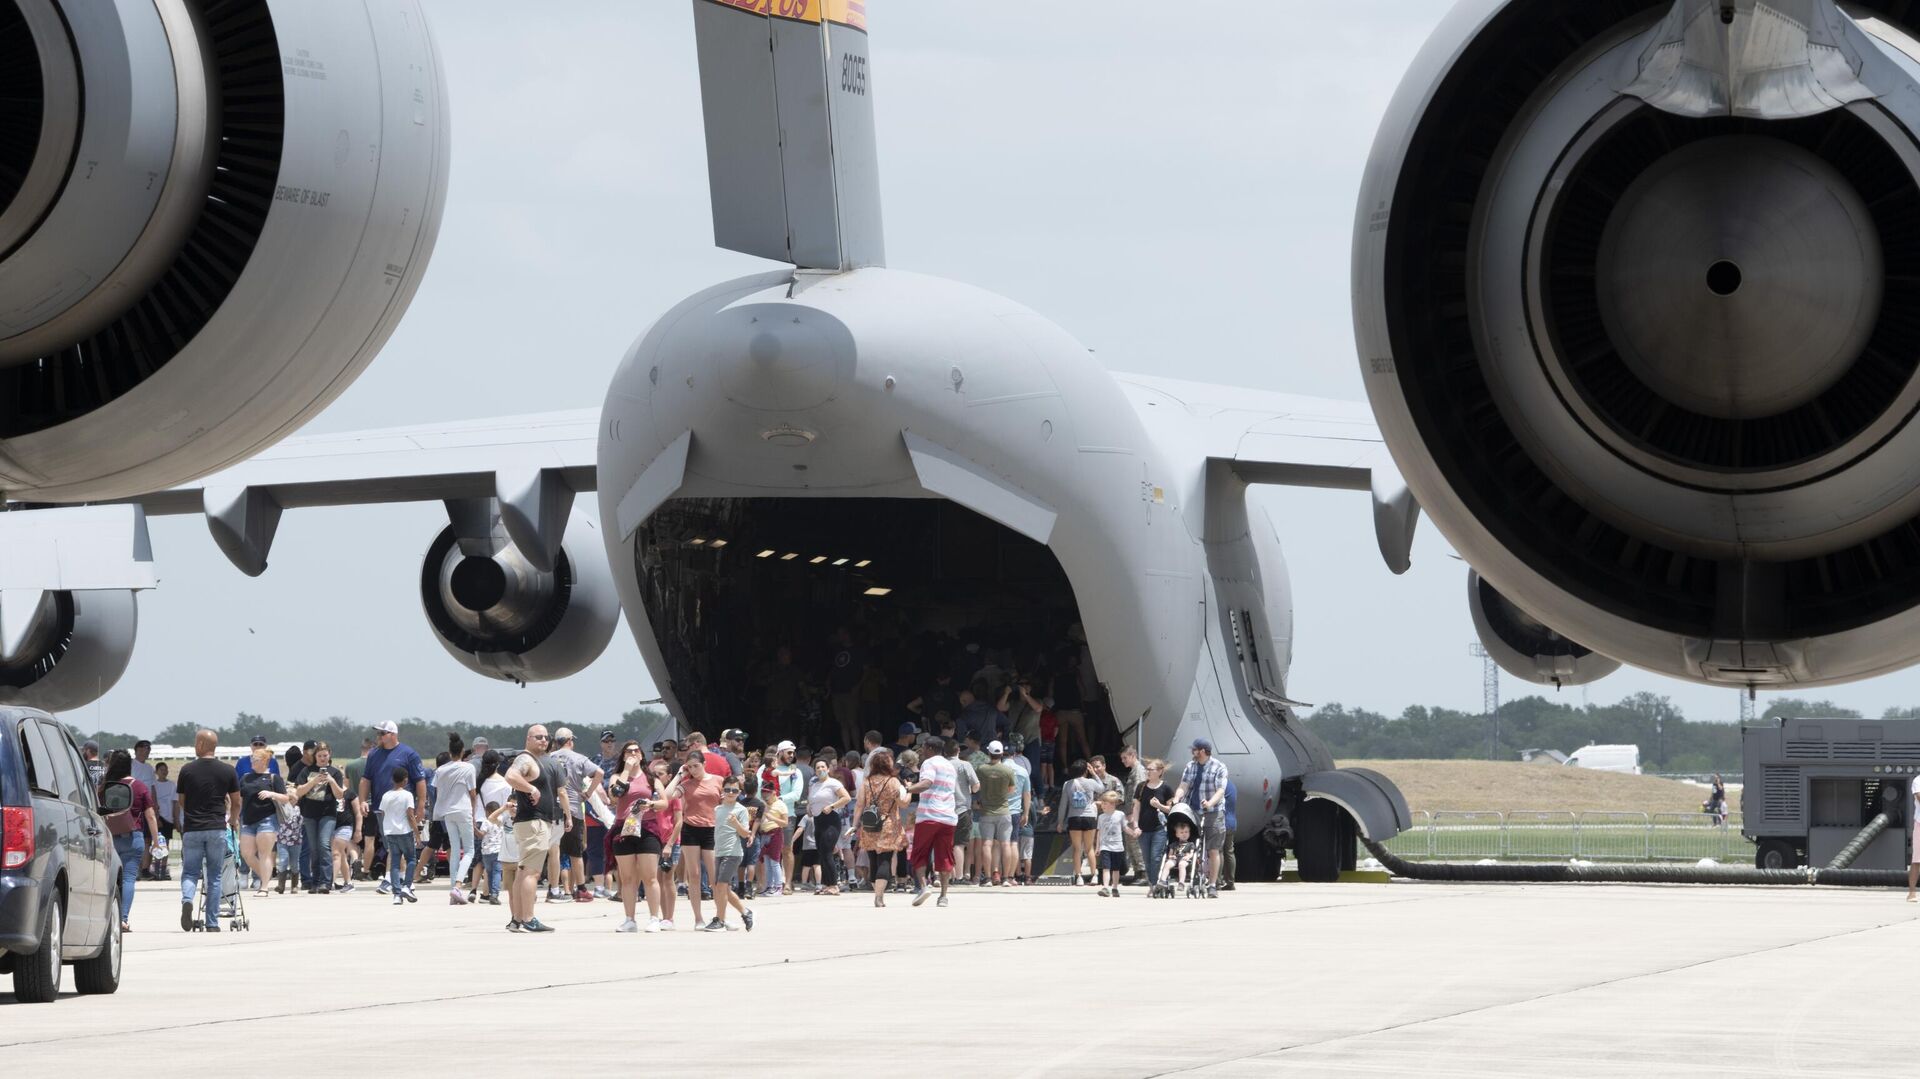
(388,753)
(993,823)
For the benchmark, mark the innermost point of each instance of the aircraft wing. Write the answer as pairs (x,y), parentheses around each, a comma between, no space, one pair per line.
(533,465)
(1290,440)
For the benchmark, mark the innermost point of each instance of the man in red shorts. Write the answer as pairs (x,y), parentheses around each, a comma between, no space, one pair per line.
(933,820)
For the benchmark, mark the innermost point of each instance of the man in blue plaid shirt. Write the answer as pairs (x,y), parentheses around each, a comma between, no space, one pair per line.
(1206,778)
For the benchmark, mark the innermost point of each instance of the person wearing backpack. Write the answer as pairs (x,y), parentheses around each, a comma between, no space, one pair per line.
(878,818)
(130,828)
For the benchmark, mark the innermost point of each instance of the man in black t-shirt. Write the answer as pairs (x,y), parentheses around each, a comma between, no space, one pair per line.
(209,793)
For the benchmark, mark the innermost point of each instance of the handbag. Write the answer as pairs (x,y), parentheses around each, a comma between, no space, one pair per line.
(121,823)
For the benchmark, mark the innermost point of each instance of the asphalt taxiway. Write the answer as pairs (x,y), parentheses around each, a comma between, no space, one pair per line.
(1347,979)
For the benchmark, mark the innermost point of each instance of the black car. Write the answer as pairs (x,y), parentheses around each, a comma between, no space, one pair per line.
(59,874)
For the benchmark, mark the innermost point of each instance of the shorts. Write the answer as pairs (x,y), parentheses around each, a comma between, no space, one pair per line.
(725,869)
(933,844)
(1044,754)
(1214,824)
(995,829)
(342,833)
(963,831)
(1113,859)
(437,835)
(808,859)
(1082,824)
(534,838)
(1026,847)
(574,842)
(644,843)
(265,827)
(696,835)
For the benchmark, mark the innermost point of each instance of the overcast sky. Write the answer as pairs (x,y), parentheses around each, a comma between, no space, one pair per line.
(1174,185)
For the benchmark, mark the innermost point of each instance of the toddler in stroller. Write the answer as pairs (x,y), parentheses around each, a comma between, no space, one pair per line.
(1183,869)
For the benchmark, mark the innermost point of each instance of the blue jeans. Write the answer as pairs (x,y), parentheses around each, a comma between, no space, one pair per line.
(316,851)
(203,854)
(129,847)
(1153,847)
(492,862)
(403,857)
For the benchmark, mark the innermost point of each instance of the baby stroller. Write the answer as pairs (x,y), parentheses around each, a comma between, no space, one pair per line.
(1183,870)
(233,905)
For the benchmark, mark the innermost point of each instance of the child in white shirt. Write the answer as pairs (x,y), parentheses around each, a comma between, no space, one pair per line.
(399,819)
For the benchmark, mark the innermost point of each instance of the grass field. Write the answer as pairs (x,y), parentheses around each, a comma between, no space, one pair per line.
(1509,785)
(1508,811)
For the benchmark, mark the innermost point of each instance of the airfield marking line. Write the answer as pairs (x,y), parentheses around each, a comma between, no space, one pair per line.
(780,962)
(1496,1006)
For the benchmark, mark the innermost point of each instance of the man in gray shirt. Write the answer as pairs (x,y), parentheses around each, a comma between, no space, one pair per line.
(583,779)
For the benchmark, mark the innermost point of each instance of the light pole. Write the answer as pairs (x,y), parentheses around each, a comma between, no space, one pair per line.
(1489,694)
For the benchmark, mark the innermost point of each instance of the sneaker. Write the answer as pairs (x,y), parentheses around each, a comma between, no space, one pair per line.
(555,895)
(493,901)
(536,926)
(515,927)
(324,889)
(941,902)
(706,895)
(345,888)
(186,915)
(385,888)
(653,925)
(747,917)
(456,898)
(581,895)
(399,900)
(407,894)
(715,926)
(628,926)
(214,928)
(1227,887)
(666,925)
(920,895)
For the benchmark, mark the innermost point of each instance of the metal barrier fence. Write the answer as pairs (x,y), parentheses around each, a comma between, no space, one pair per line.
(1558,836)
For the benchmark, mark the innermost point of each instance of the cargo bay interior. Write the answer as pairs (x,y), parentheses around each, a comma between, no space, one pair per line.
(920,585)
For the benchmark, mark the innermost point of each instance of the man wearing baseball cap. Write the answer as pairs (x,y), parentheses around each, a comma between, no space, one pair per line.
(388,753)
(993,824)
(1206,778)
(246,763)
(733,744)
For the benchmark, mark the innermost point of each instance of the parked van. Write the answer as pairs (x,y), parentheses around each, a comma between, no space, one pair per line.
(1607,759)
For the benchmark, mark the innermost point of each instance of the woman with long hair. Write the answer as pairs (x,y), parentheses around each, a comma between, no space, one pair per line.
(636,851)
(130,830)
(1080,807)
(877,817)
(663,821)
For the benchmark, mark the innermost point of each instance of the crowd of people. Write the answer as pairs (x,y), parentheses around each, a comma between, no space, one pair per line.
(683,825)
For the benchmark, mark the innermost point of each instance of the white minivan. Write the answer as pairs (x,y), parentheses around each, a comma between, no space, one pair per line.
(1607,759)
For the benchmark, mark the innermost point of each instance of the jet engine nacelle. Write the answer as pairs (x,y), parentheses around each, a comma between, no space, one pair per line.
(503,618)
(1525,647)
(61,651)
(1634,284)
(212,214)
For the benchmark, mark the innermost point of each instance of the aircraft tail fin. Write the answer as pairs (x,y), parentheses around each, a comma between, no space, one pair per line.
(791,156)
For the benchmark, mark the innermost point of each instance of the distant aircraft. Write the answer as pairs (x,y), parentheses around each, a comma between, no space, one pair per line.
(1660,425)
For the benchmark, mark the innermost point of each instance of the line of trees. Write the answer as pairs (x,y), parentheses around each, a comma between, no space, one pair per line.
(344,733)
(1668,741)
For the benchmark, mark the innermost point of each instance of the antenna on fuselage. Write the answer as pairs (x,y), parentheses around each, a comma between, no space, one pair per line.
(791,157)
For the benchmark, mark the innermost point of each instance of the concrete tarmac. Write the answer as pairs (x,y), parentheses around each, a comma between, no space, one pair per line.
(1335,980)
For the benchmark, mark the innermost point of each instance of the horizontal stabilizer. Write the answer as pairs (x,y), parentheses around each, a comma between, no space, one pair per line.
(791,156)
